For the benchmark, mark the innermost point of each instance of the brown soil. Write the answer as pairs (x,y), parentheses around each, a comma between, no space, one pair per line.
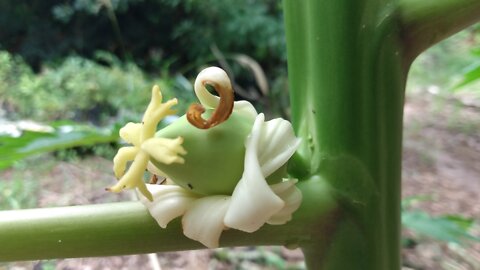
(441,158)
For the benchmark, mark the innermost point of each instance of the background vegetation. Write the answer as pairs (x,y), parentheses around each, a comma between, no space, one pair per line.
(77,70)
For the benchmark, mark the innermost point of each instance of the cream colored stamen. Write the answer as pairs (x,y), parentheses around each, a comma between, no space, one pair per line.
(145,146)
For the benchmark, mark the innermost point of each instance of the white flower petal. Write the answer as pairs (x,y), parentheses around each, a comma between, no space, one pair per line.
(253,201)
(203,221)
(292,197)
(278,143)
(169,202)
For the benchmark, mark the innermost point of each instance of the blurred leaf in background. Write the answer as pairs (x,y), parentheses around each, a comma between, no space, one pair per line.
(19,140)
(18,194)
(471,74)
(447,228)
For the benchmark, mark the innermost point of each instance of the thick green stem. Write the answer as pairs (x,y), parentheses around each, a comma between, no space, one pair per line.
(347,63)
(347,86)
(426,22)
(127,228)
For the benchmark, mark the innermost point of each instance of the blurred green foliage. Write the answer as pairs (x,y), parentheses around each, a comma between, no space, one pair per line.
(471,74)
(245,258)
(17,194)
(148,32)
(447,228)
(57,136)
(167,35)
(448,65)
(81,89)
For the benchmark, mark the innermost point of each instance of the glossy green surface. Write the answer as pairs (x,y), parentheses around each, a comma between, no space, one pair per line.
(426,22)
(347,85)
(215,156)
(127,228)
(348,62)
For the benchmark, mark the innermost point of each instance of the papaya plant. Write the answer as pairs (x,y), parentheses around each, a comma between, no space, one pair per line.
(348,62)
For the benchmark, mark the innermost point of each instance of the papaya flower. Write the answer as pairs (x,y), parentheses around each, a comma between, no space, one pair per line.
(227,171)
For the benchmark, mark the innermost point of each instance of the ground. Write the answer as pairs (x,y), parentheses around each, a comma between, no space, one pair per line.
(441,158)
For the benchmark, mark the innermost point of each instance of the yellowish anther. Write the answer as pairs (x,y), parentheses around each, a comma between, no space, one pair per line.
(141,136)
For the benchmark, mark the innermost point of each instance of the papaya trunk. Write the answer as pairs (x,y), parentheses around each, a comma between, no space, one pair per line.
(347,68)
